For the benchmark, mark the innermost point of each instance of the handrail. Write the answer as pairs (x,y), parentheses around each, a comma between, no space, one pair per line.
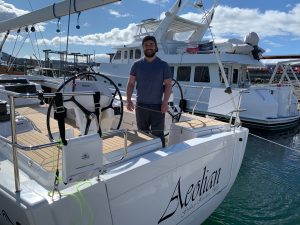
(29,148)
(14,140)
(125,146)
(45,95)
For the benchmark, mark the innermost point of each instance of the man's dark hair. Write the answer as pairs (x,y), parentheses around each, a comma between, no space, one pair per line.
(150,38)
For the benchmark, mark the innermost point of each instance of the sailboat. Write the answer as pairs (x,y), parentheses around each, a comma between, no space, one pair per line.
(199,64)
(76,157)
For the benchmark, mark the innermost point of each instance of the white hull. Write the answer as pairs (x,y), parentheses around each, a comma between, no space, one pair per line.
(122,180)
(180,184)
(160,185)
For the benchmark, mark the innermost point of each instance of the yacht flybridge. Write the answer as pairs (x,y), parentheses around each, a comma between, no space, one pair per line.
(71,154)
(205,69)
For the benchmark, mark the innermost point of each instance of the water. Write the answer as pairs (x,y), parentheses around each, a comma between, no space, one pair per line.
(267,189)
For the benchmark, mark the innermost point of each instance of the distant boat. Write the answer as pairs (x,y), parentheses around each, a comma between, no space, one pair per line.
(81,160)
(201,66)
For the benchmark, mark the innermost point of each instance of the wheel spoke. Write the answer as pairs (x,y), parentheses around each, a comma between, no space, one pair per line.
(89,76)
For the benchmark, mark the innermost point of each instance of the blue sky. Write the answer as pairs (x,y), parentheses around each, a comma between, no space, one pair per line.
(276,22)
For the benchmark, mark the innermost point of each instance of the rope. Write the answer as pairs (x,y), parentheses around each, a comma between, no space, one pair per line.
(275,143)
(53,11)
(36,36)
(215,48)
(12,52)
(68,33)
(34,52)
(18,52)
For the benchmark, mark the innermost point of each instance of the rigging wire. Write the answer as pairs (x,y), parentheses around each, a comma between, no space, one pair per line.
(37,44)
(38,49)
(24,39)
(58,30)
(12,52)
(33,48)
(41,33)
(216,51)
(275,143)
(68,33)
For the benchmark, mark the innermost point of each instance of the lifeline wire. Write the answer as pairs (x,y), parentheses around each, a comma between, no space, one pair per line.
(216,50)
(275,143)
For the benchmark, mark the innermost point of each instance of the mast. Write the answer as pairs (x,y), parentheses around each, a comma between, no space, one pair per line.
(51,12)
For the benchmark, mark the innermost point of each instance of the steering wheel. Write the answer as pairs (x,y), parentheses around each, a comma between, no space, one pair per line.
(115,96)
(173,111)
(88,76)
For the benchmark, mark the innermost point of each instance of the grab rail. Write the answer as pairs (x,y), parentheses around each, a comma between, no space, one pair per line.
(125,146)
(14,140)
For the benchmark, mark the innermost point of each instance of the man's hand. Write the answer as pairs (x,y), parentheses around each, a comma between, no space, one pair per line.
(164,107)
(130,105)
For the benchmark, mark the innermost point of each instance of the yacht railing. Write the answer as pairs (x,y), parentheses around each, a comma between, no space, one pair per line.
(285,70)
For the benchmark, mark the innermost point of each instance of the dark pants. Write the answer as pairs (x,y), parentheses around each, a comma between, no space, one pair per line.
(149,119)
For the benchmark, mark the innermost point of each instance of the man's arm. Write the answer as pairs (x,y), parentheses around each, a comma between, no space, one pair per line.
(129,91)
(167,94)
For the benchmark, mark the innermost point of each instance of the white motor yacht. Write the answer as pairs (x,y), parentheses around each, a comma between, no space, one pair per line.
(210,73)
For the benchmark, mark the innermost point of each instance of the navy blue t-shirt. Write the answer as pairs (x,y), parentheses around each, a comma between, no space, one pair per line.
(149,79)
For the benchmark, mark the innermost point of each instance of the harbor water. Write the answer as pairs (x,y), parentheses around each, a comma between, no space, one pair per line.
(267,189)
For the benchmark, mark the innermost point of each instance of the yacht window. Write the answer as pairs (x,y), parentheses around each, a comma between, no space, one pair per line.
(201,74)
(220,75)
(138,53)
(172,70)
(131,54)
(235,76)
(118,55)
(183,73)
(125,54)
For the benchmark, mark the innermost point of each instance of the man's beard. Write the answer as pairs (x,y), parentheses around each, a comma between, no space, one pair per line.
(149,53)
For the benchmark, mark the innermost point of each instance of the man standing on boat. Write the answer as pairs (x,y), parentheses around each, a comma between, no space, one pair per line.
(154,85)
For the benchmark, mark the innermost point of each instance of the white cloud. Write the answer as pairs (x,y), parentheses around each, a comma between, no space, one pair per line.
(86,24)
(237,22)
(156,1)
(271,43)
(115,37)
(227,23)
(117,14)
(9,11)
(102,58)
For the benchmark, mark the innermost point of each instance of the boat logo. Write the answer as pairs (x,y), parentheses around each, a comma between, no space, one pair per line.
(6,217)
(195,195)
(85,156)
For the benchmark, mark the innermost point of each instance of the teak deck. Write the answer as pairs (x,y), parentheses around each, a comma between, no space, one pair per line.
(47,157)
(197,123)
